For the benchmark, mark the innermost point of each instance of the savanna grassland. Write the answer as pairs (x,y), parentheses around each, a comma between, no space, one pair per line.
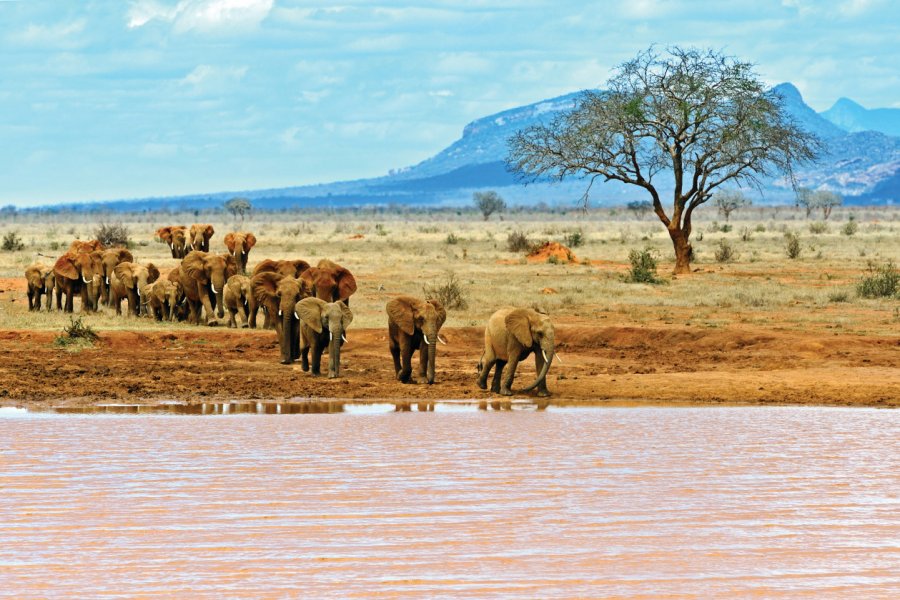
(749,325)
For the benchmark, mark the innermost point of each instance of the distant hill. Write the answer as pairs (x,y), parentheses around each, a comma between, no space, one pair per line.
(862,162)
(850,116)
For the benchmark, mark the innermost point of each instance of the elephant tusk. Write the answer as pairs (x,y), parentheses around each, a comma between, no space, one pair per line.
(330,335)
(557,357)
(279,312)
(441,340)
(545,356)
(296,316)
(344,337)
(139,291)
(244,253)
(107,281)
(426,339)
(213,287)
(83,278)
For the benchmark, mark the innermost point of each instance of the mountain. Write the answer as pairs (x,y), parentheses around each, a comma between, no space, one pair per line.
(851,116)
(864,166)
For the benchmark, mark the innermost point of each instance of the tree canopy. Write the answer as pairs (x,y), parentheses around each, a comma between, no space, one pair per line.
(686,119)
(488,203)
(238,207)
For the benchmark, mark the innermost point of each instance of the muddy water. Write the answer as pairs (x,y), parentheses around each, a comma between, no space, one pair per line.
(764,502)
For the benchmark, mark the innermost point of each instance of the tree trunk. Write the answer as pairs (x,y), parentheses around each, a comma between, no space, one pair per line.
(683,251)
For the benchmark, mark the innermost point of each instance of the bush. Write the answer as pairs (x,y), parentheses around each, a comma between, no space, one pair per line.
(452,239)
(77,333)
(882,281)
(12,242)
(488,203)
(574,239)
(746,234)
(115,234)
(818,227)
(850,227)
(643,267)
(839,296)
(450,293)
(517,241)
(724,252)
(792,245)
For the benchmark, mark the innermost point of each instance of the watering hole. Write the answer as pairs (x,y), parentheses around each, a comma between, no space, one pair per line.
(626,502)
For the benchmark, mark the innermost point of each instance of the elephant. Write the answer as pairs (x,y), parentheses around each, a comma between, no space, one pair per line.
(330,281)
(288,268)
(199,237)
(322,324)
(202,276)
(239,245)
(109,259)
(164,297)
(238,298)
(279,296)
(40,280)
(74,274)
(176,237)
(130,281)
(85,246)
(414,324)
(510,336)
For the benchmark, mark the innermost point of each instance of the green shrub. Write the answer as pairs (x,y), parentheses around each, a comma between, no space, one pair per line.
(760,228)
(76,334)
(643,267)
(380,230)
(452,239)
(575,239)
(792,245)
(746,234)
(850,228)
(724,252)
(881,281)
(12,242)
(114,234)
(517,241)
(450,293)
(839,296)
(818,227)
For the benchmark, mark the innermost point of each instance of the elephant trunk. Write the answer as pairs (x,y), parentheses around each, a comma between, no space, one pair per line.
(432,352)
(334,354)
(548,358)
(287,336)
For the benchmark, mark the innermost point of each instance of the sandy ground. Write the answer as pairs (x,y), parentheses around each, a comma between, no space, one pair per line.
(611,364)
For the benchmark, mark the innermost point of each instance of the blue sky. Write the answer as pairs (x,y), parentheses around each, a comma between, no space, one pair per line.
(115,99)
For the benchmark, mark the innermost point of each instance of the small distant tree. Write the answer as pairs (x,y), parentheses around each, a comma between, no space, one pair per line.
(488,203)
(640,207)
(806,198)
(239,207)
(827,200)
(728,201)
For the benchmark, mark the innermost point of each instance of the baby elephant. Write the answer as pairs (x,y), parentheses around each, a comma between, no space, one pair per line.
(238,299)
(413,324)
(40,280)
(164,298)
(510,336)
(322,324)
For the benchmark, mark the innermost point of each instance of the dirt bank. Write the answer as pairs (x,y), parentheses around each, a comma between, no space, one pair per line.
(600,364)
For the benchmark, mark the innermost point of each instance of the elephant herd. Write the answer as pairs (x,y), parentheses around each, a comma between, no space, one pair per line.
(307,306)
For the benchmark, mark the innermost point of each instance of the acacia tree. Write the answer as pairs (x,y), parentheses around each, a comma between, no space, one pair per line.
(488,203)
(827,200)
(695,118)
(728,201)
(238,207)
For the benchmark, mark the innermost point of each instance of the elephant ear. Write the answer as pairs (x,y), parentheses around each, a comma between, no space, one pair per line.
(400,311)
(310,312)
(125,273)
(249,242)
(174,275)
(64,267)
(346,315)
(518,323)
(152,272)
(194,266)
(230,242)
(208,232)
(299,267)
(265,286)
(266,265)
(230,265)
(346,284)
(440,310)
(165,234)
(310,275)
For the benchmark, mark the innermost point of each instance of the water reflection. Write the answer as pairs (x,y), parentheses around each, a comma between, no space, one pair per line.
(649,502)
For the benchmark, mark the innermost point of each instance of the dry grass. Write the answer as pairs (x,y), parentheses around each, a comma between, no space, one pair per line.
(399,253)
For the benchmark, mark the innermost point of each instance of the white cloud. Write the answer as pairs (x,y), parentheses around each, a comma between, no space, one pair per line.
(206,79)
(59,35)
(201,15)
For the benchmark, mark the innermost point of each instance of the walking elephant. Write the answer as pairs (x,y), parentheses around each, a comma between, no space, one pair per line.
(40,280)
(202,276)
(330,281)
(510,336)
(163,299)
(198,238)
(130,281)
(176,237)
(288,268)
(74,274)
(239,244)
(322,324)
(413,324)
(279,296)
(109,259)
(238,298)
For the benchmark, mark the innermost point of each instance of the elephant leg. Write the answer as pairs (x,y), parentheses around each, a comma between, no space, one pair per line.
(210,310)
(317,349)
(232,322)
(395,354)
(252,310)
(243,315)
(506,388)
(406,352)
(30,300)
(70,301)
(542,390)
(488,359)
(423,361)
(498,374)
(304,358)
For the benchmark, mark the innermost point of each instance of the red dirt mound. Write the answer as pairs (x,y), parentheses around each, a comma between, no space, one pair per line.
(551,251)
